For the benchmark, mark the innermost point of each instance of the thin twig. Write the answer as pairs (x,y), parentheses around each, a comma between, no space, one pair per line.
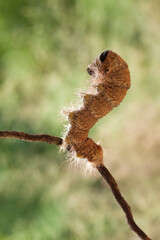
(101,168)
(32,138)
(122,202)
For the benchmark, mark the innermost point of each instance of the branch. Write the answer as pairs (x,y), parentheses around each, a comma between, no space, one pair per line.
(101,168)
(32,138)
(122,202)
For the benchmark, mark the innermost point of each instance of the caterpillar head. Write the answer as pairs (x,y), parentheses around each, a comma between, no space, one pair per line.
(110,68)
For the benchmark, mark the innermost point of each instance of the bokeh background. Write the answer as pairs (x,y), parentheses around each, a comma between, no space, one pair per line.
(45,47)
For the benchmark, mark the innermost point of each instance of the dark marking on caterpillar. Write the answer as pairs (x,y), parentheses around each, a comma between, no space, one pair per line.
(103,56)
(89,71)
(110,82)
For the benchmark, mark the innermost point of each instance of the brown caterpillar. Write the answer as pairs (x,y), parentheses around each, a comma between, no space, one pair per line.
(110,82)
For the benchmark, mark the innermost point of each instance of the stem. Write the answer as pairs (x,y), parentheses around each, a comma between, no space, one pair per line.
(32,138)
(122,202)
(101,168)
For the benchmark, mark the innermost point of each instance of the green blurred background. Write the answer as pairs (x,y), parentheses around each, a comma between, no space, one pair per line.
(45,47)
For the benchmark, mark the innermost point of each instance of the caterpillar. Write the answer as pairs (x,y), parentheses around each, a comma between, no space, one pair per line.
(110,81)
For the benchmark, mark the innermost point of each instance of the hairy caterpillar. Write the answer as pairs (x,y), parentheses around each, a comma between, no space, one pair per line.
(110,82)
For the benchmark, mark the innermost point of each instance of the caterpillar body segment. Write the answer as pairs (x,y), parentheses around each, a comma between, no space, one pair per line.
(82,119)
(90,150)
(110,82)
(98,105)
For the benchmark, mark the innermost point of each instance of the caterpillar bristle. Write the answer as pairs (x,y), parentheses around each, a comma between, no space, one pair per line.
(81,165)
